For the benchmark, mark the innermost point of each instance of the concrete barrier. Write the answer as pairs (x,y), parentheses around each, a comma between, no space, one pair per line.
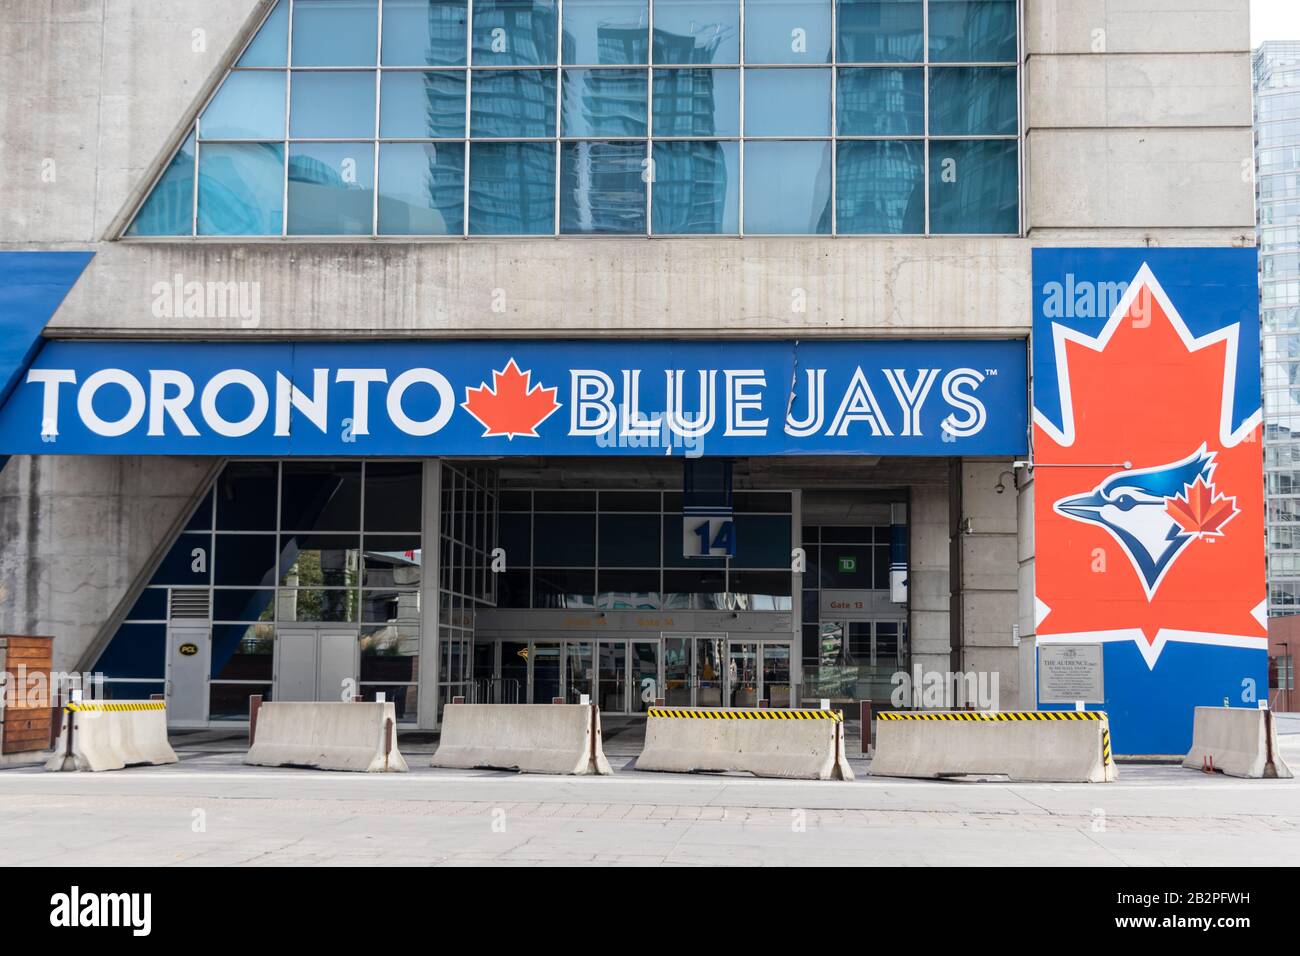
(1237,741)
(799,744)
(530,738)
(111,735)
(1031,745)
(327,735)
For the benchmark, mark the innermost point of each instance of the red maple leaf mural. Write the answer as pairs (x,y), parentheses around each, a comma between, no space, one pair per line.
(511,405)
(1147,397)
(1201,510)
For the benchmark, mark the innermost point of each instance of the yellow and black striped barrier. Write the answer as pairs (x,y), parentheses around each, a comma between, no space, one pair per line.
(711,714)
(85,706)
(1105,746)
(995,715)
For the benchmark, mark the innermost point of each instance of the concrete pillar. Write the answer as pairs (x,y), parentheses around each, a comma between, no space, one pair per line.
(928,587)
(1028,615)
(987,592)
(78,532)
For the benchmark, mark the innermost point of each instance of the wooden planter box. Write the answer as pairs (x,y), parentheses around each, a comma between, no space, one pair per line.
(24,723)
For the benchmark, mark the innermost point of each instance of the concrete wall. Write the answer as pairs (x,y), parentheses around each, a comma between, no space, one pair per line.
(1138,121)
(76,531)
(988,591)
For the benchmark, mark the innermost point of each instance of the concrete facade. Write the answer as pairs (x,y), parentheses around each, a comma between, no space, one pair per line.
(1136,129)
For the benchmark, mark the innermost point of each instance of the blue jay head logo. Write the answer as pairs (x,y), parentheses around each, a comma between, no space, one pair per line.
(1155,513)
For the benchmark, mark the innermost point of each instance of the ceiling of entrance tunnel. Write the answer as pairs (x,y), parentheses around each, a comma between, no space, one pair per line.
(848,471)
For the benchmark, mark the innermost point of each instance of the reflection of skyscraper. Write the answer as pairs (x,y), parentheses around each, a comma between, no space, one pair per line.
(515,32)
(1277,162)
(446,33)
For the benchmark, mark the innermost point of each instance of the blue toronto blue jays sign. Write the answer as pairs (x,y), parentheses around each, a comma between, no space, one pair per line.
(1148,480)
(522,398)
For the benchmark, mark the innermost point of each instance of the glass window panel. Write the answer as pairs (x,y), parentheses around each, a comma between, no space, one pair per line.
(327,605)
(973,102)
(390,605)
(416,105)
(881,102)
(787,102)
(335,32)
(604,103)
(973,31)
(629,541)
(696,189)
(392,561)
(606,31)
(137,650)
(249,105)
(201,519)
(512,500)
(241,189)
(787,187)
(630,501)
(696,102)
(424,32)
(188,562)
(270,47)
(169,210)
(973,187)
(244,560)
(560,588)
(628,590)
(702,590)
(320,560)
(787,31)
(394,490)
(512,588)
(564,540)
(846,566)
(880,187)
(512,103)
(332,105)
(514,32)
(320,496)
(697,31)
(512,191)
(241,604)
(762,541)
(760,590)
(601,188)
(151,605)
(246,495)
(565,501)
(760,501)
(516,539)
(421,189)
(880,31)
(331,189)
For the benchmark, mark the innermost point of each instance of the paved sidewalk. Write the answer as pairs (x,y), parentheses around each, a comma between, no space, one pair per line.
(211,810)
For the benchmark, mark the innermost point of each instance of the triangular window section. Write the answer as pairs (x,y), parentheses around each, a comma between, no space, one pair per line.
(291,142)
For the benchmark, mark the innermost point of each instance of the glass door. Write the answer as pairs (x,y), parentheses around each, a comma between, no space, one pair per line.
(710,672)
(645,675)
(776,674)
(577,671)
(611,677)
(742,675)
(544,662)
(678,673)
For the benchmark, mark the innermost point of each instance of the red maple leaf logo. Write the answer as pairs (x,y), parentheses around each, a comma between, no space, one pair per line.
(1145,393)
(1201,510)
(510,406)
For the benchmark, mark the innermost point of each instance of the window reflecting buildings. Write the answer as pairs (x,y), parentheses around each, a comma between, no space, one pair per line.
(1277,155)
(456,118)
